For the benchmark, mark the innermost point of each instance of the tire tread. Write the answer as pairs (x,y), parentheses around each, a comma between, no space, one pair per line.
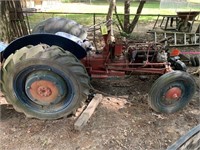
(53,53)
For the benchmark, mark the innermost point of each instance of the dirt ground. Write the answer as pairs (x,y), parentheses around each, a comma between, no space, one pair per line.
(125,122)
(122,121)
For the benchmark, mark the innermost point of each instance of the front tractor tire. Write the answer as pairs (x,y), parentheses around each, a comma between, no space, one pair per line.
(171,92)
(44,82)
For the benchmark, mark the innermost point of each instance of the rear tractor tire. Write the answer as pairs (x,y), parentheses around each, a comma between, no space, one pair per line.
(54,25)
(171,92)
(44,82)
(184,26)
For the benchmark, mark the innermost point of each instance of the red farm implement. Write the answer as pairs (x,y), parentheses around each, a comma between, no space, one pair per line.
(47,74)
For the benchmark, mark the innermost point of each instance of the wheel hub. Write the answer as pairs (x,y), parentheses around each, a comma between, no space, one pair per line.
(44,91)
(45,87)
(173,93)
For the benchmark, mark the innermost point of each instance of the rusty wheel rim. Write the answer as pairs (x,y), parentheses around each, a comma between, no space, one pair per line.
(45,88)
(172,95)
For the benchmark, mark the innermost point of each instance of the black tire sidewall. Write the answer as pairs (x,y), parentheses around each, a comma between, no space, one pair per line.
(182,24)
(20,105)
(164,81)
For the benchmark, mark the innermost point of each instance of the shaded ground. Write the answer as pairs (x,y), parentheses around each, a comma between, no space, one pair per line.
(114,125)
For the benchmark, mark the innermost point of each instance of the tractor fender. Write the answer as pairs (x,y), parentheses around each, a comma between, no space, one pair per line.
(49,39)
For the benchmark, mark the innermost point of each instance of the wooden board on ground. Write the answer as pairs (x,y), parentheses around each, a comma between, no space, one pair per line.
(87,113)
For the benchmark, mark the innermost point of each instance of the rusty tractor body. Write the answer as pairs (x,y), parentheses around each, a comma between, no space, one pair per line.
(46,75)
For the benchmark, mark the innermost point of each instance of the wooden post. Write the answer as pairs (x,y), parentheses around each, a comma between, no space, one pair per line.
(12,19)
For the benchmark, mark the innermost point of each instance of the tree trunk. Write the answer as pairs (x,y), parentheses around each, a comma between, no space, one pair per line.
(126,26)
(137,16)
(110,17)
(5,26)
(111,9)
(126,15)
(12,20)
(120,27)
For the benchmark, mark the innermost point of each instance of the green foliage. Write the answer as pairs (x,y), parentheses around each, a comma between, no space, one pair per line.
(84,19)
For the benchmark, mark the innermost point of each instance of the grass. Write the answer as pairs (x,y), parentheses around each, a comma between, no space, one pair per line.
(148,4)
(97,6)
(84,19)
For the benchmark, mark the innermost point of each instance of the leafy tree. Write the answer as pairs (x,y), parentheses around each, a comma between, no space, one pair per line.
(127,26)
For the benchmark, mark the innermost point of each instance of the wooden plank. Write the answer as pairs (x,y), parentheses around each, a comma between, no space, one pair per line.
(87,113)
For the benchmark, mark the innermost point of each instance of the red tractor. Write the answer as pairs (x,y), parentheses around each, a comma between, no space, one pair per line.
(46,75)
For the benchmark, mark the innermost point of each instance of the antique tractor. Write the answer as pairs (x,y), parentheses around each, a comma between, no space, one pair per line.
(46,75)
